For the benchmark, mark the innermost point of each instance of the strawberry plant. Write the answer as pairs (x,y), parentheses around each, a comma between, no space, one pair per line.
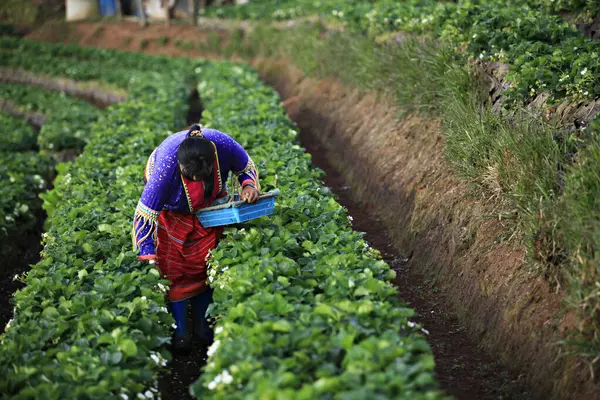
(546,53)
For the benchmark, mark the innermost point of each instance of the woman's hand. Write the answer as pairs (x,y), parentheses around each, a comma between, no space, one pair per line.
(250,194)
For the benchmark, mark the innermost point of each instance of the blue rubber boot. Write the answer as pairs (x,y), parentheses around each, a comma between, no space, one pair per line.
(202,327)
(181,338)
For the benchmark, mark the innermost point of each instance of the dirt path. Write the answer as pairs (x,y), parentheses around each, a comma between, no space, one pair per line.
(464,370)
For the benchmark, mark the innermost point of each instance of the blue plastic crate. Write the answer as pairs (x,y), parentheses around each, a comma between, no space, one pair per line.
(236,212)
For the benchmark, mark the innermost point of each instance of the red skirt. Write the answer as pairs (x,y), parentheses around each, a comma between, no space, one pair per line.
(182,252)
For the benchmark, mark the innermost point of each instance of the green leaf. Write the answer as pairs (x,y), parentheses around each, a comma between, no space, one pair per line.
(116,357)
(366,307)
(88,248)
(282,326)
(128,347)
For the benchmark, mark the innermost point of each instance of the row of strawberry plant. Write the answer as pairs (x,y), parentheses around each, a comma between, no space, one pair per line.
(122,59)
(546,54)
(91,321)
(304,306)
(67,119)
(85,64)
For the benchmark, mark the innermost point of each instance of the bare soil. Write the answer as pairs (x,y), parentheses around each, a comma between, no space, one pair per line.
(468,283)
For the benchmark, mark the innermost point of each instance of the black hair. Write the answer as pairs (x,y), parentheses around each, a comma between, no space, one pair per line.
(196,156)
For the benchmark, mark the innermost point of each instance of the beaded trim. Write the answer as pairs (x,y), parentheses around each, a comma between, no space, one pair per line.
(144,217)
(187,194)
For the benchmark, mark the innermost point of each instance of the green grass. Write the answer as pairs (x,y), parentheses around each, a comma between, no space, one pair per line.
(537,173)
(411,73)
(578,230)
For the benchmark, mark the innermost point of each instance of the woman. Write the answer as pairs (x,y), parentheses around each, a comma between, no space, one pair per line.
(186,173)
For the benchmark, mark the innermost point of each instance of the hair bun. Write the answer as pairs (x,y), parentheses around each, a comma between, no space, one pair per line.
(195,131)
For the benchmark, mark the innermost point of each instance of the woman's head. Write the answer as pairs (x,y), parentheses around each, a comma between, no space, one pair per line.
(196,156)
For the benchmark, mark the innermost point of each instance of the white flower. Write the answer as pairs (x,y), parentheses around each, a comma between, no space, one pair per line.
(174,326)
(584,71)
(158,360)
(124,396)
(144,298)
(351,283)
(164,309)
(226,377)
(218,330)
(155,358)
(410,324)
(8,324)
(162,287)
(149,394)
(210,278)
(213,348)
(223,378)
(141,396)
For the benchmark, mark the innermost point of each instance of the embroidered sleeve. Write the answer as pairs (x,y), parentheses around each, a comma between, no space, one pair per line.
(145,231)
(159,178)
(243,167)
(249,175)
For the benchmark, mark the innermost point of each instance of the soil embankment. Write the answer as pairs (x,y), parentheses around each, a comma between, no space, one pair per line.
(91,92)
(393,169)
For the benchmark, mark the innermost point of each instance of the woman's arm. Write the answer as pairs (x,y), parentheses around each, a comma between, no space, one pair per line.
(243,167)
(160,172)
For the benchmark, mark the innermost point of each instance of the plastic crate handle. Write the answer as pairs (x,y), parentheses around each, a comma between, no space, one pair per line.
(238,203)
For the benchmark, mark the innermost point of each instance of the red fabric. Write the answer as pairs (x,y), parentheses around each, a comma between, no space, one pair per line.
(184,245)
